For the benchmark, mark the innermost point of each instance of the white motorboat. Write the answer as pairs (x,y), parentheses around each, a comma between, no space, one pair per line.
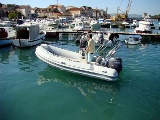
(28,35)
(125,25)
(104,23)
(133,40)
(78,24)
(108,21)
(6,36)
(100,20)
(94,25)
(107,68)
(134,24)
(5,24)
(144,28)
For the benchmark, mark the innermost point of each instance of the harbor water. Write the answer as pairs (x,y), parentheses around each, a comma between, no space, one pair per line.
(32,90)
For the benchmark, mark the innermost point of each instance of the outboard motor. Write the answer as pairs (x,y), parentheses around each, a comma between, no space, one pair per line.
(115,63)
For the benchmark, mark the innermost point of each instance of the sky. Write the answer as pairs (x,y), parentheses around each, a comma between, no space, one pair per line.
(151,7)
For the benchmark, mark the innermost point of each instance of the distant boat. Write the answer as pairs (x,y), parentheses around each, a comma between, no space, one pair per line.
(78,24)
(5,24)
(134,24)
(133,40)
(104,23)
(126,24)
(94,24)
(144,28)
(28,35)
(6,36)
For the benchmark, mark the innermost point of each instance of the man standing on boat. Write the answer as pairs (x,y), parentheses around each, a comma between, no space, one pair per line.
(90,48)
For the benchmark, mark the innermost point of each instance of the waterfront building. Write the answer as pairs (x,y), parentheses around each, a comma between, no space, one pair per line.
(25,10)
(88,11)
(33,13)
(67,16)
(96,13)
(61,8)
(48,12)
(53,11)
(76,12)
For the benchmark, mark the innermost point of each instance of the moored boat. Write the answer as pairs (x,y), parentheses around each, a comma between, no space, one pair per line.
(28,35)
(6,36)
(107,68)
(5,24)
(5,42)
(144,28)
(133,40)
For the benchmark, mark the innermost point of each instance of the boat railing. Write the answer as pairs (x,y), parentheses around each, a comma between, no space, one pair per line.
(112,52)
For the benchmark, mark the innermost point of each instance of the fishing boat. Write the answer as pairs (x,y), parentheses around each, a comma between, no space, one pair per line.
(28,35)
(103,68)
(133,40)
(6,36)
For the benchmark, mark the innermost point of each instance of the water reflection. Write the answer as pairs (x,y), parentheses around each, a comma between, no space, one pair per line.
(5,53)
(91,89)
(82,83)
(131,46)
(26,59)
(143,46)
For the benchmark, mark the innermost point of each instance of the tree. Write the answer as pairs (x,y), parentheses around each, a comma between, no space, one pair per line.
(1,11)
(12,15)
(0,5)
(156,16)
(15,15)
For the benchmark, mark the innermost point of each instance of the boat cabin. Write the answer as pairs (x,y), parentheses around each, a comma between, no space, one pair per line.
(27,31)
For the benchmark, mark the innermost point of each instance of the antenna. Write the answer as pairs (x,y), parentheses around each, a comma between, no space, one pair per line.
(57,2)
